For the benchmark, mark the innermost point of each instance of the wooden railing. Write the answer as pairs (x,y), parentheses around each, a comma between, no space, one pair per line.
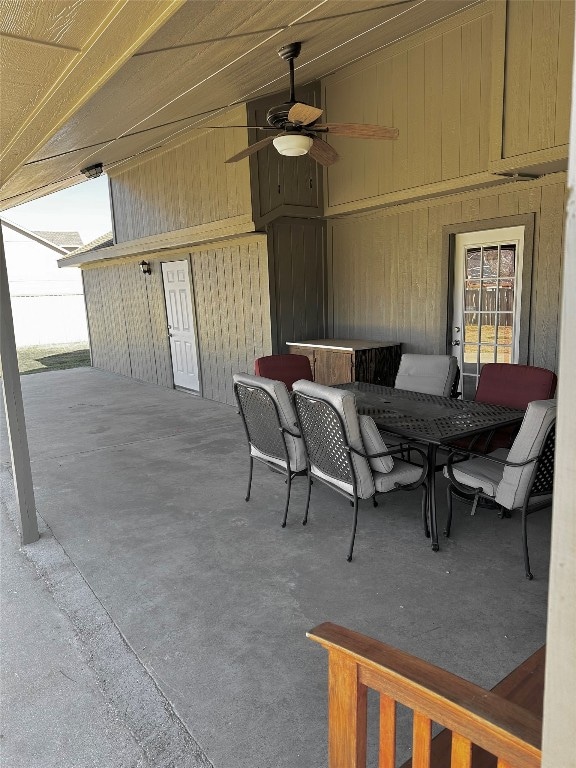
(475,716)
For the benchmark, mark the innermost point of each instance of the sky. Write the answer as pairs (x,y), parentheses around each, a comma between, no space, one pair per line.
(84,208)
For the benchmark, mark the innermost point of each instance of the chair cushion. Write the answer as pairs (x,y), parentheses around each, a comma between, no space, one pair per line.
(286,368)
(402,473)
(279,393)
(431,374)
(480,473)
(373,443)
(344,402)
(529,442)
(514,385)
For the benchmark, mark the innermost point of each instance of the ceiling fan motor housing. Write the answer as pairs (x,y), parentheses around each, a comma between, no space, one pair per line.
(277,116)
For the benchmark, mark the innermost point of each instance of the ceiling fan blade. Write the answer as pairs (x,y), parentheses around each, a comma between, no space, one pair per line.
(358,130)
(252,149)
(323,153)
(303,114)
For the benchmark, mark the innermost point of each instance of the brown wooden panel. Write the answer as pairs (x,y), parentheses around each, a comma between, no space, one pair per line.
(333,367)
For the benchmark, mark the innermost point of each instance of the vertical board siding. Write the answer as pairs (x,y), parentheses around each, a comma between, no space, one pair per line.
(185,186)
(539,51)
(436,90)
(388,274)
(128,329)
(232,313)
(298,281)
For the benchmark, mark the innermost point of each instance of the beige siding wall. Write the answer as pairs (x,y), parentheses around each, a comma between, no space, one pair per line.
(232,312)
(435,88)
(186,186)
(388,273)
(539,49)
(127,322)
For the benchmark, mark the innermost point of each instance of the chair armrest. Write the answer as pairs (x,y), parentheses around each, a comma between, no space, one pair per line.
(393,452)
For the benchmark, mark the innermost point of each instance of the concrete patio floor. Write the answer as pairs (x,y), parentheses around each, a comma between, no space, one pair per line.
(143,490)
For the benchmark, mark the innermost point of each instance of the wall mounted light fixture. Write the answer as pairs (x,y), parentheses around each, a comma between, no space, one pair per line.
(145,268)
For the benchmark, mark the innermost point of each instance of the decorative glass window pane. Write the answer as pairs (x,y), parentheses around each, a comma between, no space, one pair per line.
(473,259)
(504,355)
(471,297)
(470,326)
(507,261)
(490,262)
(487,353)
(470,354)
(487,328)
(504,332)
(489,296)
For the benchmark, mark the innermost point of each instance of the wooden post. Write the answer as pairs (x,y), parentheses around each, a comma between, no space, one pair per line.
(15,411)
(559,700)
(347,712)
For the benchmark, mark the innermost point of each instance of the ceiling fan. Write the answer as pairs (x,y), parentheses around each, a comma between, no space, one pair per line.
(300,129)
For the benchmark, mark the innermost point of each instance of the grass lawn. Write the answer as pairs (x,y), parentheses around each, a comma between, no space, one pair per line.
(53,357)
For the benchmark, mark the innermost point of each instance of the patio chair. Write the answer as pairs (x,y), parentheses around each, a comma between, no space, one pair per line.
(514,386)
(431,374)
(286,368)
(519,478)
(346,453)
(270,424)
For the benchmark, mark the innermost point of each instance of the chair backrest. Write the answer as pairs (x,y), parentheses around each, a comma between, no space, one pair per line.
(329,422)
(431,374)
(514,385)
(286,368)
(265,406)
(530,441)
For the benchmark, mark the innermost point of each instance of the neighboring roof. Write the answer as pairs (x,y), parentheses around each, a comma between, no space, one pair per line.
(63,239)
(104,241)
(37,237)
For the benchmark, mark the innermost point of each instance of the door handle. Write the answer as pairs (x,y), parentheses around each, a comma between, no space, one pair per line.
(456,343)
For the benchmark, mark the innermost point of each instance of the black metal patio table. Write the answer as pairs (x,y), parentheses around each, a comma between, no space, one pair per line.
(429,419)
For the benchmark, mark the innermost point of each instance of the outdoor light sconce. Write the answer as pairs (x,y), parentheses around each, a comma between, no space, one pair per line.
(93,171)
(145,268)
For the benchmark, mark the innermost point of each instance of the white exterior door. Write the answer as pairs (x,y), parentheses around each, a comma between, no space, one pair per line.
(180,314)
(487,294)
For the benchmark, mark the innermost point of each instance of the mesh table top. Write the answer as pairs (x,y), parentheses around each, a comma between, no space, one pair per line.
(429,418)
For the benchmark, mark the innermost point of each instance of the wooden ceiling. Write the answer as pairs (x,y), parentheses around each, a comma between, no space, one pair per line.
(86,82)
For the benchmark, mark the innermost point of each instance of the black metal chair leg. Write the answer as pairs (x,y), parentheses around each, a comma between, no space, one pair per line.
(308,499)
(289,486)
(250,478)
(529,574)
(425,511)
(449,517)
(355,523)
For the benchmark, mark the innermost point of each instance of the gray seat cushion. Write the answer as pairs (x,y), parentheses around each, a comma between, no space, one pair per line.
(402,473)
(481,473)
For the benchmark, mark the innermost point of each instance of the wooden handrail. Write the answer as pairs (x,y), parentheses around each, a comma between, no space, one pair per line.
(474,715)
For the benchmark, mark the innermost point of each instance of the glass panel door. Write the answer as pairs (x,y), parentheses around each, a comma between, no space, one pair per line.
(487,289)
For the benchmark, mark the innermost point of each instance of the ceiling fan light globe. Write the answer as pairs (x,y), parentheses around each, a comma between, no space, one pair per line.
(293,145)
